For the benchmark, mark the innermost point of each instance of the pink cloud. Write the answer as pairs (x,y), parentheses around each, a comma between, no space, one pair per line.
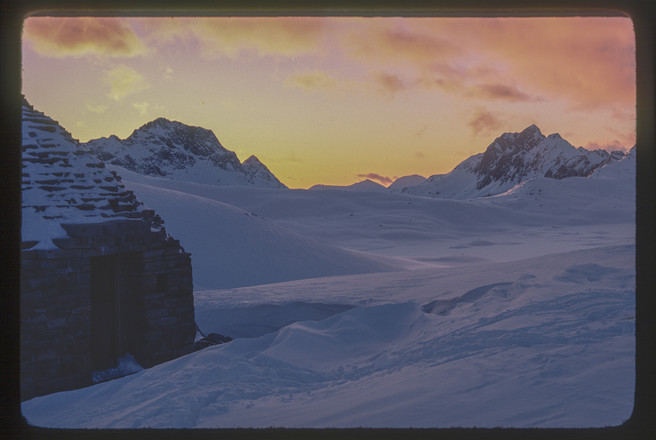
(392,40)
(80,36)
(484,122)
(389,83)
(287,36)
(588,61)
(498,91)
(384,180)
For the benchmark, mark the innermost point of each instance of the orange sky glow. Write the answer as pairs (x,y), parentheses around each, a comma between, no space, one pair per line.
(334,100)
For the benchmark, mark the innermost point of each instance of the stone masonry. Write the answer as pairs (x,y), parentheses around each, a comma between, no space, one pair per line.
(56,310)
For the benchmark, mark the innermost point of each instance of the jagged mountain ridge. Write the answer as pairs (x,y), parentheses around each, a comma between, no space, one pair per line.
(164,148)
(511,159)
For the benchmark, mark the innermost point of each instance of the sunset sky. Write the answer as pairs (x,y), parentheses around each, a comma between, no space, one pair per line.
(336,100)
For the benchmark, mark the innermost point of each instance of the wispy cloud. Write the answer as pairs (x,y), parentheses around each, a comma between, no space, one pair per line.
(142,107)
(484,122)
(388,83)
(312,80)
(287,36)
(124,81)
(97,108)
(377,177)
(588,61)
(81,36)
(611,145)
(420,132)
(391,41)
(498,91)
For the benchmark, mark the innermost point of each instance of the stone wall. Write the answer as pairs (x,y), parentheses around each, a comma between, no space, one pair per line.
(56,340)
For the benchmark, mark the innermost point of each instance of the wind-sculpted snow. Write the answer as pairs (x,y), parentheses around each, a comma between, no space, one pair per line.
(531,350)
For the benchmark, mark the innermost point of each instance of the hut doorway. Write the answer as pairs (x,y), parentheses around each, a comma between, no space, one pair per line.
(112,309)
(105,312)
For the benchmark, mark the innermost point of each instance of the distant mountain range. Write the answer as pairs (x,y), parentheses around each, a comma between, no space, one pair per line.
(174,150)
(171,149)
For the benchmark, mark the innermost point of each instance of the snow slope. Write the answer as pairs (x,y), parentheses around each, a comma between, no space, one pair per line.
(417,231)
(547,342)
(232,247)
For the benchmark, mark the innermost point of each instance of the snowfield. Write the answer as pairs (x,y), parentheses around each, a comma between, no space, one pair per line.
(384,309)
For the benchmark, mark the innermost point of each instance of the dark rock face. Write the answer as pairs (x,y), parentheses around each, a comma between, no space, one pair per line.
(507,149)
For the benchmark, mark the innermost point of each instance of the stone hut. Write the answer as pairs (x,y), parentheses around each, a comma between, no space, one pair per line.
(102,283)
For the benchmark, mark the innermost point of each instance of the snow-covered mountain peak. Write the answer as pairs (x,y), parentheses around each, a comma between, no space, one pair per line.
(532,132)
(252,161)
(511,142)
(511,159)
(167,126)
(171,149)
(176,135)
(532,129)
(159,122)
(260,173)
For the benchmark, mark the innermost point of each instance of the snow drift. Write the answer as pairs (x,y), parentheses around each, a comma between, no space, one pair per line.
(550,346)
